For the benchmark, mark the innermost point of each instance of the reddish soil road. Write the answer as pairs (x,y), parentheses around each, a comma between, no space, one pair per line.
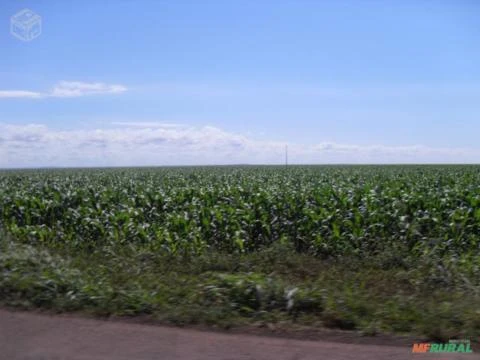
(30,336)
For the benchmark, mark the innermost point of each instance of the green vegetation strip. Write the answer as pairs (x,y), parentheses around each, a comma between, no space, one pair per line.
(371,248)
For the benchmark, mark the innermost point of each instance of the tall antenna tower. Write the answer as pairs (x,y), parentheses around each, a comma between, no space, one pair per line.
(286,155)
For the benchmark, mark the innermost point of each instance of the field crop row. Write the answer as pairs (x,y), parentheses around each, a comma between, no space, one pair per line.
(327,211)
(369,248)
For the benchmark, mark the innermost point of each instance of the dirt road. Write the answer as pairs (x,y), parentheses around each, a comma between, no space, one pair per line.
(29,336)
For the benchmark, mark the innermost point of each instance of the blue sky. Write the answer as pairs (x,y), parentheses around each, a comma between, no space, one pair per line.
(203,82)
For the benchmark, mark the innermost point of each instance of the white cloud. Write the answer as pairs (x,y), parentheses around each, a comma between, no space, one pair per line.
(140,144)
(19,94)
(147,124)
(67,89)
(76,88)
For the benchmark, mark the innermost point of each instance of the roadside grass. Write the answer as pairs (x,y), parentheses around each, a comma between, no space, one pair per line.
(275,286)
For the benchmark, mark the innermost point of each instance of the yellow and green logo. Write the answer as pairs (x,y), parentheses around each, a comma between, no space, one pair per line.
(453,346)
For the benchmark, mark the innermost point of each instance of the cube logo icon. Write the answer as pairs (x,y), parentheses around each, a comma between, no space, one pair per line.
(26,25)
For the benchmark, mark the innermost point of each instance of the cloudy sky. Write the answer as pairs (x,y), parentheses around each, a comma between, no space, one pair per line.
(117,83)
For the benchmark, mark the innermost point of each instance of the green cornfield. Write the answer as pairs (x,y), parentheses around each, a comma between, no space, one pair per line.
(325,211)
